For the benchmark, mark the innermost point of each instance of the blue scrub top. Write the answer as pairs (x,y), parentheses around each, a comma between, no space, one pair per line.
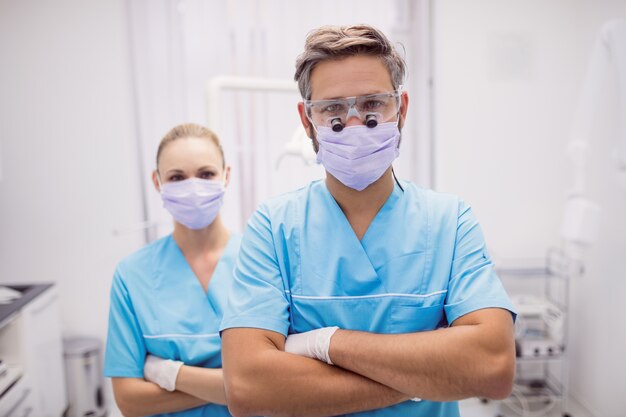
(421,265)
(158,306)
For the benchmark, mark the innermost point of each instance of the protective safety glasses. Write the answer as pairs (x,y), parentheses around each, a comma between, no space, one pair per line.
(371,109)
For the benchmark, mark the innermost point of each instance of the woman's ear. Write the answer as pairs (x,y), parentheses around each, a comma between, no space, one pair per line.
(155,180)
(226,175)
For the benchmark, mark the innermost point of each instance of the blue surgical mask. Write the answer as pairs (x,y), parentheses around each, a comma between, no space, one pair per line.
(358,155)
(194,202)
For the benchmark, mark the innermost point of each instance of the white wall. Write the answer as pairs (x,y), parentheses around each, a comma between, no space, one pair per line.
(507,78)
(503,109)
(69,175)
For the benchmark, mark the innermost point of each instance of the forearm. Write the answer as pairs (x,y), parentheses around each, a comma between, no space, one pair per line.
(137,397)
(302,382)
(267,381)
(204,383)
(443,365)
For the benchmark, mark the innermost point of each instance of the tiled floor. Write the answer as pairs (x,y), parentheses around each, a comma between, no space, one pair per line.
(475,408)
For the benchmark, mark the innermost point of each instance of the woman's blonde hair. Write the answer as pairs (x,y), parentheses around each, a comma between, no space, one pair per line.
(190,130)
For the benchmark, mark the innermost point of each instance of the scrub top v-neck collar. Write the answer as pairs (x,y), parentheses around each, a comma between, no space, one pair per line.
(184,275)
(328,231)
(380,219)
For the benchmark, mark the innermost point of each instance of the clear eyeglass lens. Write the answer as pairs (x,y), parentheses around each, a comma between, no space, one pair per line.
(324,112)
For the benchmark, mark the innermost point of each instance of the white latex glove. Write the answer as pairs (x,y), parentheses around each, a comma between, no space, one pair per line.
(315,344)
(312,344)
(162,372)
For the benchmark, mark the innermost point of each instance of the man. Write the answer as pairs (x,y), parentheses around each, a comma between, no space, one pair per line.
(360,293)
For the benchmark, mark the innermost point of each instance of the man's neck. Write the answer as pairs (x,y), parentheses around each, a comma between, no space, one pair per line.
(366,202)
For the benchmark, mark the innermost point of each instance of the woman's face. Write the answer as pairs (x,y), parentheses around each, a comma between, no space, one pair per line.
(188,158)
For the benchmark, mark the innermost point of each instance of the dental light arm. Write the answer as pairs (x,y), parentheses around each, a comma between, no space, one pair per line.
(606,72)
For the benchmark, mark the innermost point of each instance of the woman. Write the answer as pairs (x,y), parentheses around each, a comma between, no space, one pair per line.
(167,298)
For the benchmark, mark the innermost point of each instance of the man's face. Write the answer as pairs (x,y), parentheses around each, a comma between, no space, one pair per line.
(349,77)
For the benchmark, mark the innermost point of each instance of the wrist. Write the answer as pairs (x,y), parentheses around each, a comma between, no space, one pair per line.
(169,376)
(334,347)
(325,337)
(177,377)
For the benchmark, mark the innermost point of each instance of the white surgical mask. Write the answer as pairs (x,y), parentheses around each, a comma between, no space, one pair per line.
(193,202)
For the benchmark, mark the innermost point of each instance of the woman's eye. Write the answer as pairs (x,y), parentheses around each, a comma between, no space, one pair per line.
(207,174)
(177,178)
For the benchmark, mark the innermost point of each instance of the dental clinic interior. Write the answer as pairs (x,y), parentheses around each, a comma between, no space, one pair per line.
(517,106)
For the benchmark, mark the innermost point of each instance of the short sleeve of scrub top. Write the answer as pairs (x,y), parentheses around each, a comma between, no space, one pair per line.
(125,340)
(257,296)
(473,283)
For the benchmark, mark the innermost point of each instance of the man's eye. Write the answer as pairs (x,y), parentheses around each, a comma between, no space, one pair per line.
(373,105)
(333,108)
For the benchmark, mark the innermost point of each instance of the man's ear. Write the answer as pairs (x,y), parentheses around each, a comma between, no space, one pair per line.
(306,123)
(404,106)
